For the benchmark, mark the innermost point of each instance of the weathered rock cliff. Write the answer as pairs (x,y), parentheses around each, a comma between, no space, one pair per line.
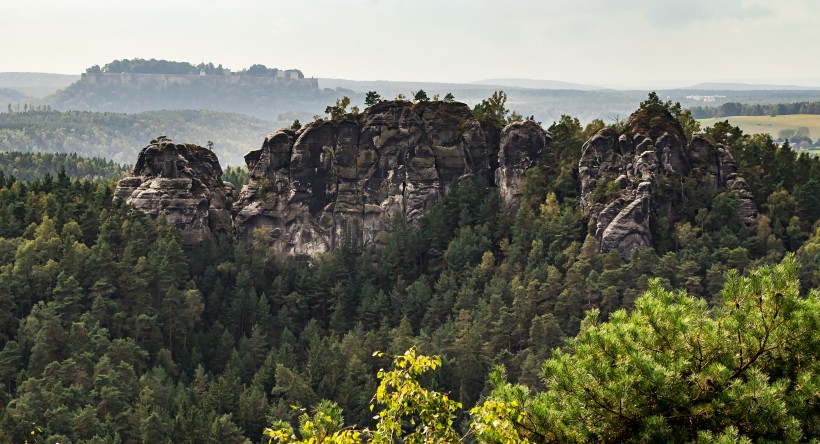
(519,150)
(182,182)
(350,177)
(618,173)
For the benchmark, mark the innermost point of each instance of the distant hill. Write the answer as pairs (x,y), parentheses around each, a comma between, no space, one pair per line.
(262,97)
(13,97)
(712,86)
(138,85)
(119,136)
(36,84)
(535,84)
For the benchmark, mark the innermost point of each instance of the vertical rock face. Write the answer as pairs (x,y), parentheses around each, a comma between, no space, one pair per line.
(520,149)
(333,181)
(619,172)
(182,182)
(716,164)
(347,179)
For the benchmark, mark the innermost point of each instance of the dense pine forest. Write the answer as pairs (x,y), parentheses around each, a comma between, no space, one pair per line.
(29,167)
(111,331)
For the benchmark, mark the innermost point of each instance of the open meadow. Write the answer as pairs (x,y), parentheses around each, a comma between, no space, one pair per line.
(773,126)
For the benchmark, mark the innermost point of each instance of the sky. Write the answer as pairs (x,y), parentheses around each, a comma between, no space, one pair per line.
(618,43)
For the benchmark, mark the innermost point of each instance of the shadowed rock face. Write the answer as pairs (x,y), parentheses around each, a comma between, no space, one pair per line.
(632,162)
(349,178)
(520,149)
(182,182)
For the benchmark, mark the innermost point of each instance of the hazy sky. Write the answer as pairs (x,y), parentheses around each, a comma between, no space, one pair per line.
(603,42)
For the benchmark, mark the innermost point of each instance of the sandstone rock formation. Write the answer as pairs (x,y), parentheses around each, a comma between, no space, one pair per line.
(349,178)
(717,164)
(618,173)
(182,182)
(520,149)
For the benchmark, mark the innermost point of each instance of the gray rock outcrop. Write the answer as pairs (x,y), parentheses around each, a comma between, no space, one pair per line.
(520,149)
(348,178)
(618,173)
(183,183)
(716,164)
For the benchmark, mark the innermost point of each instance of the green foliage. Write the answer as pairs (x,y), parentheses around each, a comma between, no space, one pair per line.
(119,137)
(111,330)
(605,191)
(339,110)
(411,413)
(723,132)
(561,160)
(404,399)
(689,124)
(675,371)
(492,111)
(421,96)
(653,117)
(654,105)
(372,98)
(31,166)
(237,176)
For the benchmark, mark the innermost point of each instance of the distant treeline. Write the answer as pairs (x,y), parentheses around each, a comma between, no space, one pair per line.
(26,107)
(730,109)
(31,166)
(119,136)
(154,66)
(27,167)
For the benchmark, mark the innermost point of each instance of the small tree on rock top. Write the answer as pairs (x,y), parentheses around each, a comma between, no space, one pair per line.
(340,109)
(372,98)
(421,96)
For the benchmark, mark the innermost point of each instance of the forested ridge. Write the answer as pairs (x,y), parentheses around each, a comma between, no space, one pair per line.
(118,136)
(256,91)
(110,331)
(33,166)
(154,66)
(731,109)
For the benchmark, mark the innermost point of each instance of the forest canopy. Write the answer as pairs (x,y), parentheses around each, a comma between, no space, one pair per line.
(34,166)
(672,370)
(112,331)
